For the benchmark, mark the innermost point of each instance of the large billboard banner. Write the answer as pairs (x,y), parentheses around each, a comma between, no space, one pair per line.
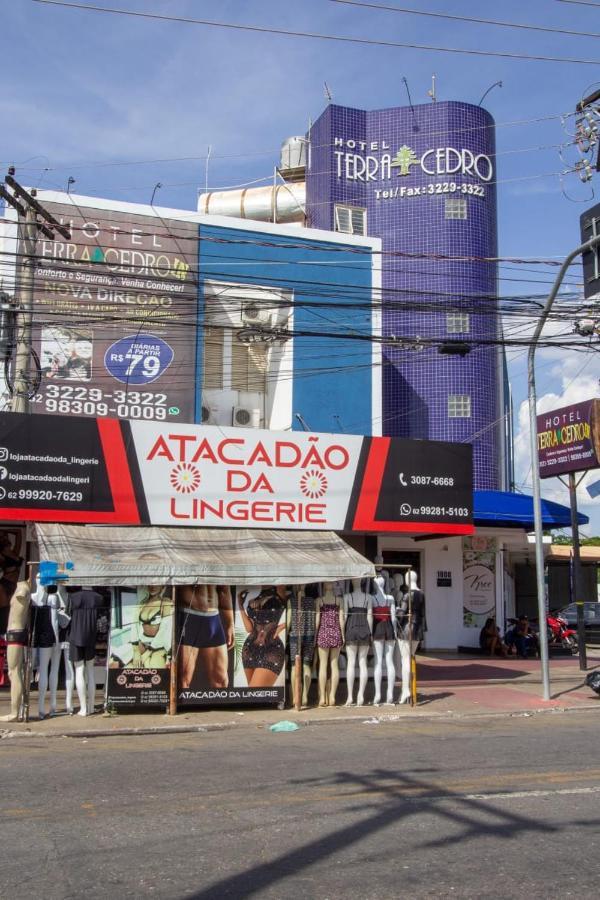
(569,439)
(118,472)
(114,316)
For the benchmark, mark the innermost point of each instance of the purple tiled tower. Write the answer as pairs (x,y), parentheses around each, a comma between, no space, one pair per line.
(425,176)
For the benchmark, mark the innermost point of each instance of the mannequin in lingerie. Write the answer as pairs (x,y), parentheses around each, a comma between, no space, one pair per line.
(358,632)
(384,640)
(329,627)
(84,606)
(301,629)
(17,639)
(410,626)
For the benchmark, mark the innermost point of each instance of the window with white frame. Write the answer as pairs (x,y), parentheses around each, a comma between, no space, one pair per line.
(458,323)
(233,310)
(455,208)
(350,219)
(459,406)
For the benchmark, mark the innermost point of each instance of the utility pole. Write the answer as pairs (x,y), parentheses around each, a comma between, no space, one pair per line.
(29,212)
(535,471)
(577,586)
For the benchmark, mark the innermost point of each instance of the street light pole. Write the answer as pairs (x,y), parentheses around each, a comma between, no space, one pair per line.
(537,497)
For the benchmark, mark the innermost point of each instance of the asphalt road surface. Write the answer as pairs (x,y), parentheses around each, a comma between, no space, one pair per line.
(499,807)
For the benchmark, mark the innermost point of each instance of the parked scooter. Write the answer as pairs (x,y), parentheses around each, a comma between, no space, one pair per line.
(560,634)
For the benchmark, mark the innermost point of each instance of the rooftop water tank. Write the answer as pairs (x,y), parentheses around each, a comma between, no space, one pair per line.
(293,159)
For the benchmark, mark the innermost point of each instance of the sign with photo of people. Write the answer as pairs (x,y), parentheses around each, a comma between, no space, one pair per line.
(141,639)
(231,644)
(114,315)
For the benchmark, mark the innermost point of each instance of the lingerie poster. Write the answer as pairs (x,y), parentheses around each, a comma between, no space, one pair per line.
(231,645)
(141,637)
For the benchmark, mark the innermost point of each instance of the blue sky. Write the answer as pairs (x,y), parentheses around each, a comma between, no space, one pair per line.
(89,92)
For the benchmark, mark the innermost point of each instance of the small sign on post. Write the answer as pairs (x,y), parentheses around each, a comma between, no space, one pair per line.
(569,439)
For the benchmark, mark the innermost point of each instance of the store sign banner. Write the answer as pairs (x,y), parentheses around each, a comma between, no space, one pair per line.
(105,470)
(569,439)
(114,316)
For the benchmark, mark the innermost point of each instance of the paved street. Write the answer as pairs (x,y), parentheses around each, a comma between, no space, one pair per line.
(467,808)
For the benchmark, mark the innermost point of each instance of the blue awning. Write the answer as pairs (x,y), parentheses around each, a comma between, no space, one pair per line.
(508,510)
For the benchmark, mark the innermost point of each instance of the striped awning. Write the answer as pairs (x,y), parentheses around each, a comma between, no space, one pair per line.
(125,557)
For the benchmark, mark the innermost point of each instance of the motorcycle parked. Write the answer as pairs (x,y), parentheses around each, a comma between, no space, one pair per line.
(560,634)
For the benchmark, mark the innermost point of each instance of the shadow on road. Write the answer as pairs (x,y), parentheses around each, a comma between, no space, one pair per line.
(385,798)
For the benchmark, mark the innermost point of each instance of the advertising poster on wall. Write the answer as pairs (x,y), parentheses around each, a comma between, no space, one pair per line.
(479,580)
(140,647)
(114,316)
(231,644)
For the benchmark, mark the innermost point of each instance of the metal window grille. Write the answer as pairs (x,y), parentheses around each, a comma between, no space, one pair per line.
(249,366)
(212,376)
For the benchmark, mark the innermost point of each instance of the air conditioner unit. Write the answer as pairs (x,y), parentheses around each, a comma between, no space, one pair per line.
(246,417)
(255,314)
(208,414)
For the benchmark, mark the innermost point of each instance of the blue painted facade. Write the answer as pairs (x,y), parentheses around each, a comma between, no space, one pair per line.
(408,208)
(332,384)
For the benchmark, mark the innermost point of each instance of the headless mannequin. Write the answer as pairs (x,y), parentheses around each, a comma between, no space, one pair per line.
(359,647)
(329,672)
(409,631)
(49,657)
(302,608)
(384,642)
(84,606)
(17,637)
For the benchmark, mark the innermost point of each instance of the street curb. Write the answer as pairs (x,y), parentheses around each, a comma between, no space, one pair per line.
(86,734)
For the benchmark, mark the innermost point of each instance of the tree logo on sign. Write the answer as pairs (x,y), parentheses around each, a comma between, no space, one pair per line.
(404,159)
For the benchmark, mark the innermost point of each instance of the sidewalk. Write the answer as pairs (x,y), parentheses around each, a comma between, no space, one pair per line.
(449,686)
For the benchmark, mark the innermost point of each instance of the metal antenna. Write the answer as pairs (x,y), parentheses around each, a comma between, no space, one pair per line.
(431,93)
(415,126)
(327,92)
(208,153)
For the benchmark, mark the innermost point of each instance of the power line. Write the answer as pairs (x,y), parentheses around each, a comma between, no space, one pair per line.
(456,18)
(317,35)
(99,164)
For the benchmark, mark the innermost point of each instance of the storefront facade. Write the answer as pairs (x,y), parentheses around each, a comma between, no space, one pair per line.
(207,533)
